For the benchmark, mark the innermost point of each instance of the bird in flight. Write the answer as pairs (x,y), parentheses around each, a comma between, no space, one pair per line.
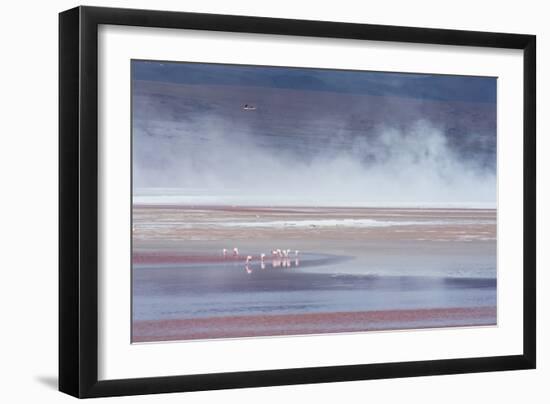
(248,107)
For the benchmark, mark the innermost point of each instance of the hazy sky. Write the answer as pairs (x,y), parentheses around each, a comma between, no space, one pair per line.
(321,137)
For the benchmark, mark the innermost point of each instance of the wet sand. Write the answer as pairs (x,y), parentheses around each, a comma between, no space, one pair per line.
(315,323)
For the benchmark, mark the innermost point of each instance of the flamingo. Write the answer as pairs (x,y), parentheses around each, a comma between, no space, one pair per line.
(262,256)
(247,264)
(224,252)
(235,252)
(296,253)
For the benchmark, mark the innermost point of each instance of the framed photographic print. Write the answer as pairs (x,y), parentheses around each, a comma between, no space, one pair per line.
(250,201)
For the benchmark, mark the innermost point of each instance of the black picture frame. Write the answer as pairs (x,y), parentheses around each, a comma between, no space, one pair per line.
(78,201)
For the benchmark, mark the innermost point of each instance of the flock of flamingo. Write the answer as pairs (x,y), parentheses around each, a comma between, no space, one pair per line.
(279,258)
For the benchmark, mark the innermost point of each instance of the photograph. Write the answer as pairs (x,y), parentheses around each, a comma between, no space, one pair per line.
(272,201)
(319,200)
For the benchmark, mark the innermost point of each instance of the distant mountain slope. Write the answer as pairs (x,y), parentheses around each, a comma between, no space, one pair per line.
(307,122)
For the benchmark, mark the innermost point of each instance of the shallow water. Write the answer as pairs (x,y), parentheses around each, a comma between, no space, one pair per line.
(212,290)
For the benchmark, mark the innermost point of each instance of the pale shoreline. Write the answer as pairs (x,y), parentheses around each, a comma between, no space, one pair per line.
(310,323)
(169,225)
(137,203)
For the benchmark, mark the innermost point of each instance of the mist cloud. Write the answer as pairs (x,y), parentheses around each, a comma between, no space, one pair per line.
(207,158)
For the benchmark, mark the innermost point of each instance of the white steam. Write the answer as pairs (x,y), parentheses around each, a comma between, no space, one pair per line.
(211,161)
